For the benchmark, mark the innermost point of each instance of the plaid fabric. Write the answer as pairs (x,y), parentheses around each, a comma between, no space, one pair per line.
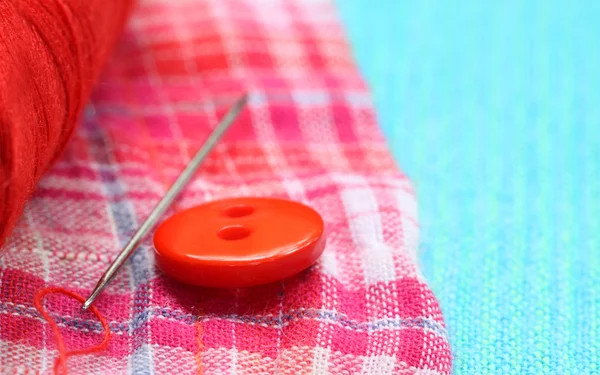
(308,134)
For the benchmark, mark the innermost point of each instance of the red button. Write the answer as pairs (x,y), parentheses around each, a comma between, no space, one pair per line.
(239,242)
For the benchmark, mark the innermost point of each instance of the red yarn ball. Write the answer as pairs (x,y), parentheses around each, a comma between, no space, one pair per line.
(51,53)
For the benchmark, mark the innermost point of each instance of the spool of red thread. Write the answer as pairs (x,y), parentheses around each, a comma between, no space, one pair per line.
(51,53)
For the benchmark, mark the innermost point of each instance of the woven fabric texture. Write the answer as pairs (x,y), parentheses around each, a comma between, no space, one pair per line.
(309,134)
(492,109)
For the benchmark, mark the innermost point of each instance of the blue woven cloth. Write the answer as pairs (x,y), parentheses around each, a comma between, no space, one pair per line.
(493,109)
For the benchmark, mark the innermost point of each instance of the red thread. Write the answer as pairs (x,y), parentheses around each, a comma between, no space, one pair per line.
(51,54)
(63,354)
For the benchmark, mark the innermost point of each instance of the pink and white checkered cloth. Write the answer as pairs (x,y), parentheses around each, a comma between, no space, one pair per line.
(309,134)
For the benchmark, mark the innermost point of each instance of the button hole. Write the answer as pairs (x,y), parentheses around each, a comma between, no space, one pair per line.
(233,233)
(239,210)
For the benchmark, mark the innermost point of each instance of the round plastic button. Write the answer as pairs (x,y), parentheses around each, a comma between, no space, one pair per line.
(239,242)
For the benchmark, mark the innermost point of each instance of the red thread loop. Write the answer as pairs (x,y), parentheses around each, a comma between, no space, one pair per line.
(61,360)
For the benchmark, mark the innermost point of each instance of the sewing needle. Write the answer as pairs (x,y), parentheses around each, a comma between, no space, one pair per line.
(168,199)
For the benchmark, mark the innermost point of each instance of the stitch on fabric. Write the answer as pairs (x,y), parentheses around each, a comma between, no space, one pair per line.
(266,320)
(63,354)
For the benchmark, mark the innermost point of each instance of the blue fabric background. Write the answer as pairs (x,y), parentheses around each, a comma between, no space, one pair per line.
(493,109)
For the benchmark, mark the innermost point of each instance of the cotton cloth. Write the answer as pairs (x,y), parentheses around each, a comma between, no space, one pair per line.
(491,110)
(309,134)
